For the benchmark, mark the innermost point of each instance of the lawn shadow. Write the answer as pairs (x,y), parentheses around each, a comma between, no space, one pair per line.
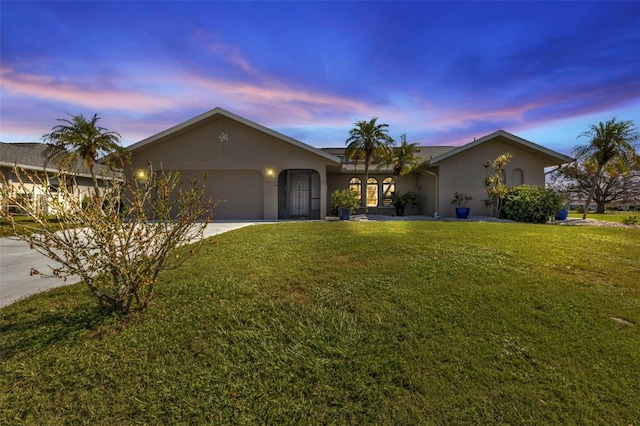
(47,319)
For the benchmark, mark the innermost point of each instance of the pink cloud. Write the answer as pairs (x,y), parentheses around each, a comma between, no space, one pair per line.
(46,87)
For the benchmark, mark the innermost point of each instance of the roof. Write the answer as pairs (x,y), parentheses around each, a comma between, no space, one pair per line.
(29,155)
(187,125)
(551,157)
(23,154)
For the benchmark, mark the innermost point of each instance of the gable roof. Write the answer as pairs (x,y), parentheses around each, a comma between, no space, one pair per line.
(187,125)
(551,157)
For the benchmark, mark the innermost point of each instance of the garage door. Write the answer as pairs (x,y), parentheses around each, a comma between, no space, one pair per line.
(240,193)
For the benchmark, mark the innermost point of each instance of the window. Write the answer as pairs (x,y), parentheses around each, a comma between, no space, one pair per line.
(355,184)
(372,192)
(388,188)
(517,177)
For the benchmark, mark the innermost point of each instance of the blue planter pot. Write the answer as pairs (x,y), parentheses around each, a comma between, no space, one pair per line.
(562,214)
(462,212)
(344,214)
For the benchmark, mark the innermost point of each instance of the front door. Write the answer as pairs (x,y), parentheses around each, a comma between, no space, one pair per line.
(299,196)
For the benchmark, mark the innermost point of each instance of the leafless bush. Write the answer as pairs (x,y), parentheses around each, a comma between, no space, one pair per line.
(117,241)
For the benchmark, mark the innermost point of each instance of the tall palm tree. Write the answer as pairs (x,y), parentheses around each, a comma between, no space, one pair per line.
(79,138)
(368,140)
(609,141)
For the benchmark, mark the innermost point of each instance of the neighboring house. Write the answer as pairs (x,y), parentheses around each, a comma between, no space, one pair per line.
(29,157)
(260,174)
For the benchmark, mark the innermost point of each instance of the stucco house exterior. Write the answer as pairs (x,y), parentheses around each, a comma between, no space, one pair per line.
(259,174)
(29,157)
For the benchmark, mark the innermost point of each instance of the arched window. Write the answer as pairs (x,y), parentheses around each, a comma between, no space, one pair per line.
(372,192)
(517,177)
(355,184)
(388,188)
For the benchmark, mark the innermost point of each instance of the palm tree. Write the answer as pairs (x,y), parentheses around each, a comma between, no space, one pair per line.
(82,139)
(368,140)
(609,141)
(403,158)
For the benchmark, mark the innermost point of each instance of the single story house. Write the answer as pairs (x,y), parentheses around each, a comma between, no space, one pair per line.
(30,158)
(259,174)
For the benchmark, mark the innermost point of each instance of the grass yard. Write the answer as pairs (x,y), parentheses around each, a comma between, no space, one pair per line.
(618,217)
(348,323)
(24,225)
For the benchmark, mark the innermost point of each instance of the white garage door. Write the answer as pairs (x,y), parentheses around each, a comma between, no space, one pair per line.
(240,193)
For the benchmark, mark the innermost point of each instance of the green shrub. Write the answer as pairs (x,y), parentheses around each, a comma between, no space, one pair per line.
(526,203)
(630,220)
(344,199)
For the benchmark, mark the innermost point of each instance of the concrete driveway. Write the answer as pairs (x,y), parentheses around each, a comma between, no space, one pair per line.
(17,260)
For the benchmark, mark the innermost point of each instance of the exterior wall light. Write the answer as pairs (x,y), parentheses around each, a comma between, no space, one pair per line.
(269,172)
(141,175)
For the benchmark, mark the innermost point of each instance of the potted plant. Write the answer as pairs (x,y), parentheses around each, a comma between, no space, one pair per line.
(344,202)
(563,213)
(460,200)
(400,201)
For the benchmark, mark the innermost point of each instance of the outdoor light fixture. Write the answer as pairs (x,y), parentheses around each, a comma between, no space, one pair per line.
(269,172)
(141,174)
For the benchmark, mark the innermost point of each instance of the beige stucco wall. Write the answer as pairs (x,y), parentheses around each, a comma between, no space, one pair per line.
(246,153)
(465,172)
(403,184)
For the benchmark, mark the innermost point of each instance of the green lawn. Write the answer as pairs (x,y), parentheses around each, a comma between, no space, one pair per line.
(24,225)
(348,323)
(609,217)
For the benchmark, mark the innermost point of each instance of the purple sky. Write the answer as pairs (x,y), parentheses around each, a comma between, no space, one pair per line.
(441,72)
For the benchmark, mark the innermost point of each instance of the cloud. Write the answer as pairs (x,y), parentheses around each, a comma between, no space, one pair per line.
(47,87)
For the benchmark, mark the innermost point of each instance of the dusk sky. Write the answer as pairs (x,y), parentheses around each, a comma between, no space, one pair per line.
(441,72)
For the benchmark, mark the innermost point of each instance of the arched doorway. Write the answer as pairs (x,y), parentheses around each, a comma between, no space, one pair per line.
(299,194)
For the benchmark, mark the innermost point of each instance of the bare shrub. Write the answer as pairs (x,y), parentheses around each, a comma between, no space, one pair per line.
(117,240)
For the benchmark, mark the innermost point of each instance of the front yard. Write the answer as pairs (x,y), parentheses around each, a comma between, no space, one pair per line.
(348,323)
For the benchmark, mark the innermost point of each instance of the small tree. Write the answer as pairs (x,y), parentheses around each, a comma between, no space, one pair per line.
(619,182)
(117,244)
(607,142)
(496,187)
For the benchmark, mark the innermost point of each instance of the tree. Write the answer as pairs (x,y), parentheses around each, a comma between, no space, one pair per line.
(118,247)
(82,139)
(118,243)
(618,183)
(496,187)
(402,158)
(608,141)
(368,140)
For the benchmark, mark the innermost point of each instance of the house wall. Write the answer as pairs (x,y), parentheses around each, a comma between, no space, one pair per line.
(465,172)
(236,165)
(404,184)
(32,184)
(427,193)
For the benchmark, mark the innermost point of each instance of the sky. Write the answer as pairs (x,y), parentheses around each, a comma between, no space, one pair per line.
(443,73)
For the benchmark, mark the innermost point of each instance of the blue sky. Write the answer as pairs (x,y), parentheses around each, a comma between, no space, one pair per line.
(441,72)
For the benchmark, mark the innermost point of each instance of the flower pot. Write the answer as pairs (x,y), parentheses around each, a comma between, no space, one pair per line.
(462,212)
(399,210)
(562,214)
(344,214)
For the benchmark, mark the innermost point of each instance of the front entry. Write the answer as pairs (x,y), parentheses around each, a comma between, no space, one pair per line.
(299,194)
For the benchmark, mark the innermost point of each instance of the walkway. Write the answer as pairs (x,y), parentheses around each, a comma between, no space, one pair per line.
(17,261)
